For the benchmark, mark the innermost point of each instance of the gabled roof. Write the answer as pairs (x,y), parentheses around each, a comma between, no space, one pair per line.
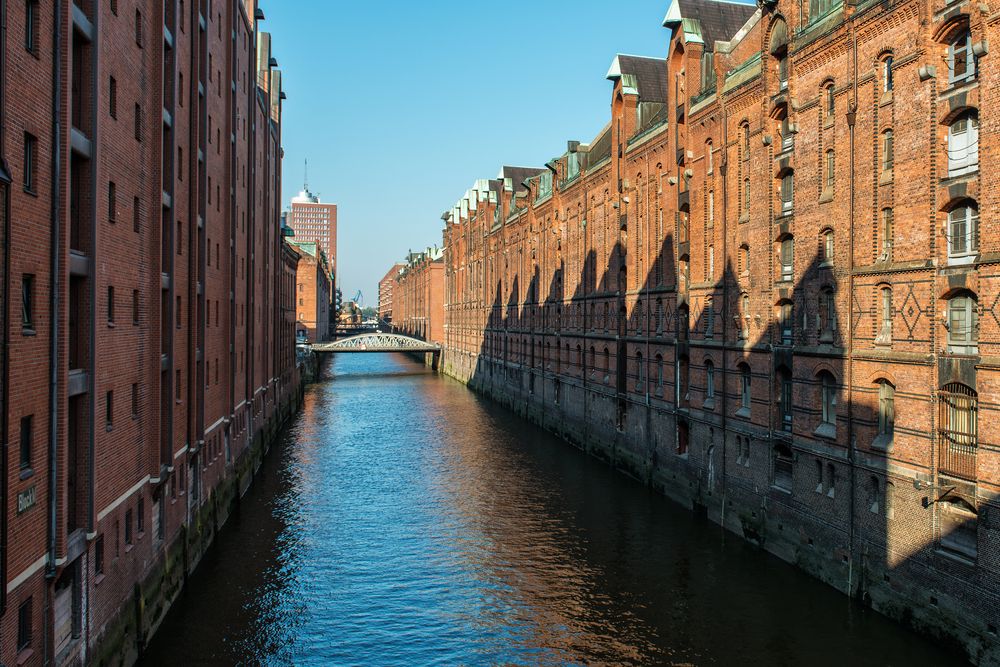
(718,20)
(647,76)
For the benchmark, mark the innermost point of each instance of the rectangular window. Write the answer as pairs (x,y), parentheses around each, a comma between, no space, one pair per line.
(30,159)
(28,302)
(128,527)
(99,556)
(26,441)
(140,516)
(31,22)
(138,28)
(111,304)
(112,202)
(24,625)
(135,399)
(113,97)
(109,410)
(829,169)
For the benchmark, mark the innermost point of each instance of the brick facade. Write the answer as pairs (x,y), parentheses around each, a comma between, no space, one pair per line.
(418,297)
(385,291)
(766,288)
(153,353)
(313,292)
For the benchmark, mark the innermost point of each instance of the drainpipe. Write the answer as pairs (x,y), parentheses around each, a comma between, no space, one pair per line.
(3,319)
(851,118)
(54,305)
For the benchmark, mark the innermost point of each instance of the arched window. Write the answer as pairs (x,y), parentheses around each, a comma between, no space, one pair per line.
(963,144)
(963,324)
(887,74)
(958,430)
(830,102)
(885,234)
(828,398)
(745,389)
(787,257)
(830,170)
(884,336)
(709,380)
(963,230)
(887,150)
(827,246)
(746,141)
(886,413)
(744,259)
(961,61)
(708,156)
(779,49)
(746,197)
(745,312)
(787,192)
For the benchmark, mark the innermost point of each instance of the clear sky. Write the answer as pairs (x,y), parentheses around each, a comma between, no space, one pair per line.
(400,106)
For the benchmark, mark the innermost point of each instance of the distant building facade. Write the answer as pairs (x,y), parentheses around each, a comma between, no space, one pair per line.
(418,297)
(314,292)
(386,287)
(312,220)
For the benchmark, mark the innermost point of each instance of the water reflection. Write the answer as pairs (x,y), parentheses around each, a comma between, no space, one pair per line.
(406,522)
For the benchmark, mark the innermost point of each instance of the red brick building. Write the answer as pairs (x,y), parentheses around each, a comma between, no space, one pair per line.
(385,290)
(766,287)
(418,297)
(145,283)
(314,282)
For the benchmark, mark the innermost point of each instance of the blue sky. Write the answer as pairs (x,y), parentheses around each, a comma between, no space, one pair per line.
(400,106)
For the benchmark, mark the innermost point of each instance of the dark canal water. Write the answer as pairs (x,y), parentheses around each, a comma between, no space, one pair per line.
(405,521)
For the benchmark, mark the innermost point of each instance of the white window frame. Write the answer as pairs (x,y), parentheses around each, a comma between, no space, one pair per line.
(963,145)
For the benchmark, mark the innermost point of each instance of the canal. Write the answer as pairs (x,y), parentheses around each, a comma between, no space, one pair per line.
(405,521)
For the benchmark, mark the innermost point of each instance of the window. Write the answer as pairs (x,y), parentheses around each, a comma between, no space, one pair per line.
(711,262)
(178,313)
(138,28)
(874,494)
(827,315)
(958,430)
(830,170)
(884,336)
(829,398)
(112,202)
(138,123)
(111,304)
(708,156)
(99,556)
(743,442)
(135,400)
(963,144)
(746,141)
(959,526)
(787,258)
(782,66)
(787,192)
(113,97)
(787,136)
(659,374)
(887,74)
(963,230)
(31,22)
(109,410)
(745,311)
(886,235)
(783,465)
(962,324)
(180,237)
(707,71)
(30,162)
(785,322)
(709,380)
(746,197)
(745,388)
(28,302)
(24,625)
(711,208)
(128,527)
(827,245)
(886,412)
(961,62)
(140,516)
(744,259)
(887,150)
(830,102)
(27,433)
(818,8)
(177,381)
(785,398)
